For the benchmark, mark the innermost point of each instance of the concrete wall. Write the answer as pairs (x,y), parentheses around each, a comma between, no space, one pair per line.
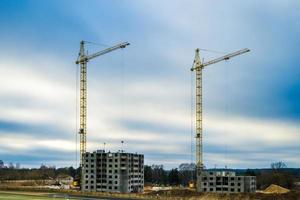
(224,182)
(113,172)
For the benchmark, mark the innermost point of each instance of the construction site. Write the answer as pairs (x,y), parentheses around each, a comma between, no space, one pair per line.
(149,100)
(121,174)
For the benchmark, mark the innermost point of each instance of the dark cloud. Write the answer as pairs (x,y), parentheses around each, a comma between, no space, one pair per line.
(33,129)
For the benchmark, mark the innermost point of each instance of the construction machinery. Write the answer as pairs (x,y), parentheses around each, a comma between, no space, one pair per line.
(198,66)
(83,59)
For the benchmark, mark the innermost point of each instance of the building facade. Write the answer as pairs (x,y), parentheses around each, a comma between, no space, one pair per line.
(113,172)
(224,182)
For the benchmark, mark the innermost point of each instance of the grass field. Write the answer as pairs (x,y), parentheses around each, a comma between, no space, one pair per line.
(16,196)
(162,195)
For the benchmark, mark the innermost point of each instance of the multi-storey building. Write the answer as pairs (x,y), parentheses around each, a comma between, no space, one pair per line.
(113,172)
(225,182)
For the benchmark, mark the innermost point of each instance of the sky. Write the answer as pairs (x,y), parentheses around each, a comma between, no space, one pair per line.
(142,94)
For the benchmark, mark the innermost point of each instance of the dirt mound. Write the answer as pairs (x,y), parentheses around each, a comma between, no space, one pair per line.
(276,189)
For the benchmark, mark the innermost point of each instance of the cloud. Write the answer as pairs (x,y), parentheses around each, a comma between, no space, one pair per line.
(142,94)
(233,137)
(25,142)
(250,132)
(151,117)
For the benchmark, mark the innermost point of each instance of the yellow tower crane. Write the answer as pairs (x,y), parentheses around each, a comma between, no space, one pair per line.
(198,66)
(83,59)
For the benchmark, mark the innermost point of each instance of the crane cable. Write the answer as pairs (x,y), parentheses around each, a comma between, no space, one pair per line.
(98,44)
(122,91)
(227,117)
(213,51)
(76,113)
(192,119)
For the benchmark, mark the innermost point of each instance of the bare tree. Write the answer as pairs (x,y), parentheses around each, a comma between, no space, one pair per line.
(278,165)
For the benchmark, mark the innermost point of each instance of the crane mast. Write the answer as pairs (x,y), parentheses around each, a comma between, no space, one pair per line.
(198,66)
(83,102)
(83,59)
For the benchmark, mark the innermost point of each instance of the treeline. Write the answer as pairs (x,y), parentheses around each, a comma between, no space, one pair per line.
(41,173)
(278,174)
(157,175)
(154,175)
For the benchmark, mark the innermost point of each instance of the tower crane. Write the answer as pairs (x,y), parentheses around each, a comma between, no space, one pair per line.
(198,66)
(83,59)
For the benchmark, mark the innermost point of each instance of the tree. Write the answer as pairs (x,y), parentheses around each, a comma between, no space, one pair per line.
(42,173)
(148,174)
(174,177)
(187,167)
(250,172)
(72,172)
(159,175)
(279,175)
(47,172)
(187,173)
(278,165)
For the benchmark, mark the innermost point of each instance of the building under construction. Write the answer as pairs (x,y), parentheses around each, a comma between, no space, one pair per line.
(113,172)
(225,182)
(100,170)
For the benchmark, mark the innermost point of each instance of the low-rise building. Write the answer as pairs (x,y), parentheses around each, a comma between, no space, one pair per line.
(113,172)
(224,182)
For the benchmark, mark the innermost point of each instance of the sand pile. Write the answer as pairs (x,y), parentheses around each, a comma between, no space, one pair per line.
(276,189)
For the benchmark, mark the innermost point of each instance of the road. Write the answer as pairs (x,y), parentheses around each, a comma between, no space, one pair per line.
(67,196)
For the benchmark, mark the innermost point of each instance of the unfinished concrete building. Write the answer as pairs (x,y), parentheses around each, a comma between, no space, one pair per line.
(113,172)
(225,182)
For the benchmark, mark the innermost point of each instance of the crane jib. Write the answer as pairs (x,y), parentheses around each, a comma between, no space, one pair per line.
(85,58)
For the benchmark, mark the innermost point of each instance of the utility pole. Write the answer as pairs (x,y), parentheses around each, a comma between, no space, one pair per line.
(83,60)
(198,66)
